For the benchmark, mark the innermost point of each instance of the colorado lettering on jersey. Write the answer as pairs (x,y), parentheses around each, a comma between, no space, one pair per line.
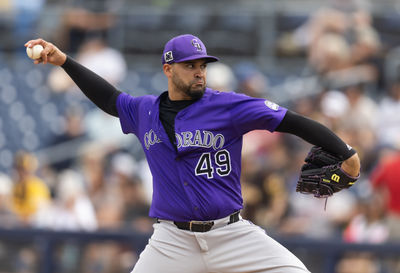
(205,139)
(150,138)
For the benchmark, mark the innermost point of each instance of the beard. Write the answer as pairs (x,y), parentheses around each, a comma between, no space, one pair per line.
(194,92)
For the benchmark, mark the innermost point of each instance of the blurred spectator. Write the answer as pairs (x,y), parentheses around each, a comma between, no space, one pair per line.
(330,52)
(266,201)
(339,42)
(358,123)
(146,178)
(73,126)
(5,6)
(388,117)
(251,81)
(29,194)
(130,190)
(110,213)
(72,209)
(362,109)
(7,217)
(369,224)
(267,169)
(385,180)
(104,194)
(84,19)
(306,106)
(358,263)
(334,107)
(307,216)
(104,129)
(92,163)
(220,77)
(366,42)
(348,34)
(27,14)
(257,145)
(351,113)
(108,257)
(26,261)
(73,136)
(93,53)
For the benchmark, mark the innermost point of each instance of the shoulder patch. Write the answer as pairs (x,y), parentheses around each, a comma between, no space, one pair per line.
(272,105)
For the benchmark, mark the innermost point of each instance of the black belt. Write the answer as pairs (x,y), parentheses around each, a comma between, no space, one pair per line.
(204,226)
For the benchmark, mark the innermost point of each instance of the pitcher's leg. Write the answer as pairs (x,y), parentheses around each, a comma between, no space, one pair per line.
(244,247)
(170,250)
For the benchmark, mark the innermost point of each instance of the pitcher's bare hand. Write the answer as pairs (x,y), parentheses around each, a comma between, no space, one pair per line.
(50,53)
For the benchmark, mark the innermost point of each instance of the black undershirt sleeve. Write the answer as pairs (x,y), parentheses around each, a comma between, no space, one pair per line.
(314,133)
(98,90)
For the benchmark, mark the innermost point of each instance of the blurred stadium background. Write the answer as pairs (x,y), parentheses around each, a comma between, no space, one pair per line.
(75,192)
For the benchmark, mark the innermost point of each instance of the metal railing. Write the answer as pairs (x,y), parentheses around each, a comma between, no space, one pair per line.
(330,250)
(48,240)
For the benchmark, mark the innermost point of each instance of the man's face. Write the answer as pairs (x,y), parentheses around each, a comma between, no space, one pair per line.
(189,78)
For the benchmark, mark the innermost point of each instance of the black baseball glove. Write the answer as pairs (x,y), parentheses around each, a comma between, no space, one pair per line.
(322,175)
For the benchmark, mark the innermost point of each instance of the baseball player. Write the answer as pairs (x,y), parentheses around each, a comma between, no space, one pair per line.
(192,138)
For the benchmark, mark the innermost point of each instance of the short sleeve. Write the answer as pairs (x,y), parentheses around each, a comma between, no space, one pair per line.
(248,113)
(127,107)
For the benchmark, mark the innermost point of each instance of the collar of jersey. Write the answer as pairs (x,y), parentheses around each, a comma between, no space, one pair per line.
(207,93)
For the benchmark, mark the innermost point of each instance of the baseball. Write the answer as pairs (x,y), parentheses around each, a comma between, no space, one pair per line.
(34,52)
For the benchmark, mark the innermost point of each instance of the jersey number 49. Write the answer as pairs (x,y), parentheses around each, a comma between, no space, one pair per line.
(222,160)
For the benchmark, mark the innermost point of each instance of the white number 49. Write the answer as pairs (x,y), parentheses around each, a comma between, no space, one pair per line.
(222,160)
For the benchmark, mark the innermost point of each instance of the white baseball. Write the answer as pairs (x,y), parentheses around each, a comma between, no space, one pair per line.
(34,52)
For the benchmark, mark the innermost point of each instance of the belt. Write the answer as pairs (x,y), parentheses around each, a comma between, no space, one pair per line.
(204,226)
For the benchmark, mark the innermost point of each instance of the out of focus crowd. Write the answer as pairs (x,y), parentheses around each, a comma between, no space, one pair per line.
(105,186)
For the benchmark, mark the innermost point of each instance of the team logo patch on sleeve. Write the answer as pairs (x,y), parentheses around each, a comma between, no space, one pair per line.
(272,105)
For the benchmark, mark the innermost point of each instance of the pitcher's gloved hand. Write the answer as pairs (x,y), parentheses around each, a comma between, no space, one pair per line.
(322,175)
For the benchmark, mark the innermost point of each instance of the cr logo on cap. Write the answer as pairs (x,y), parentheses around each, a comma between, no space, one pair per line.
(196,44)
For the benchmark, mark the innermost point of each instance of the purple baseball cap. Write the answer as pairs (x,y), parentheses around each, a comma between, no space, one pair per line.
(185,48)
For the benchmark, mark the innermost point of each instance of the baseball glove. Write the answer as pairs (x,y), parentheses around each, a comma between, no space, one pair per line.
(322,175)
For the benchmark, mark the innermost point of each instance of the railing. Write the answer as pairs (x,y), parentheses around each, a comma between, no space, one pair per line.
(330,250)
(47,241)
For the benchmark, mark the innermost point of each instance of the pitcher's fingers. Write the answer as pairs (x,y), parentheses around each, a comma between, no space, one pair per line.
(46,52)
(29,43)
(43,55)
(38,61)
(39,41)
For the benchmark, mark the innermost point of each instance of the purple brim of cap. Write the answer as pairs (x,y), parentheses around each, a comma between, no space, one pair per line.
(209,58)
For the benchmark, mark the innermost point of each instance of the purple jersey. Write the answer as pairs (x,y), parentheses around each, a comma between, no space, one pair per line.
(200,180)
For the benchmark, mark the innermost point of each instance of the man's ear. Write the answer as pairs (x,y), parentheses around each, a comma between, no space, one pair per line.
(167,68)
